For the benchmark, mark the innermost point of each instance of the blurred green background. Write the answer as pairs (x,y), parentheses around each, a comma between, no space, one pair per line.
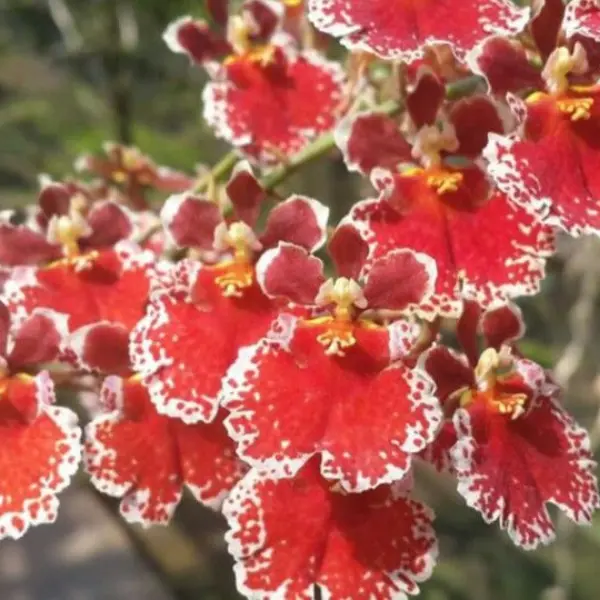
(74,73)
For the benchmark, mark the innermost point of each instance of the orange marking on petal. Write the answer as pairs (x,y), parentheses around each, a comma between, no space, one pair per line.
(412,172)
(80,262)
(235,278)
(338,334)
(592,88)
(445,182)
(119,176)
(576,108)
(262,55)
(509,404)
(131,159)
(536,97)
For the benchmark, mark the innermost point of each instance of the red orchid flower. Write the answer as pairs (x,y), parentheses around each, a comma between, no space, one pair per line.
(201,314)
(134,453)
(107,285)
(400,30)
(549,164)
(68,219)
(509,442)
(267,98)
(333,384)
(133,173)
(40,449)
(435,198)
(291,536)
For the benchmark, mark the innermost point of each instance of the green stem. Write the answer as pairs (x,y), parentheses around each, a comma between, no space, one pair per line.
(316,149)
(219,171)
(465,87)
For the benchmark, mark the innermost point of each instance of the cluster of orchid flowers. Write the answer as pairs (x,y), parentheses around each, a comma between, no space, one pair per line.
(209,349)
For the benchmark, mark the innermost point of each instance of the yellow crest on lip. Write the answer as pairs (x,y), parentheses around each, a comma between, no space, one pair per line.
(445,182)
(236,277)
(577,108)
(337,338)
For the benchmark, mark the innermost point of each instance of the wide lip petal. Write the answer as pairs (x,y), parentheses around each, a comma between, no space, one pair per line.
(466,471)
(344,31)
(528,192)
(147,366)
(215,99)
(132,498)
(246,493)
(66,421)
(419,397)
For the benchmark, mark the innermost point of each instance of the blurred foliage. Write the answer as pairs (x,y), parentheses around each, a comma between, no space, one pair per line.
(74,73)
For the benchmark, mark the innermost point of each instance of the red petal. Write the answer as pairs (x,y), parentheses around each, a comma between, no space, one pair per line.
(438,452)
(54,198)
(377,544)
(109,223)
(169,180)
(449,370)
(37,340)
(270,114)
(509,469)
(102,347)
(245,193)
(468,330)
(288,271)
(402,29)
(372,440)
(546,25)
(348,251)
(146,459)
(194,38)
(4,328)
(183,348)
(451,373)
(473,119)
(20,245)
(191,220)
(506,67)
(503,325)
(289,400)
(39,456)
(400,280)
(298,220)
(218,10)
(369,140)
(425,98)
(266,15)
(582,17)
